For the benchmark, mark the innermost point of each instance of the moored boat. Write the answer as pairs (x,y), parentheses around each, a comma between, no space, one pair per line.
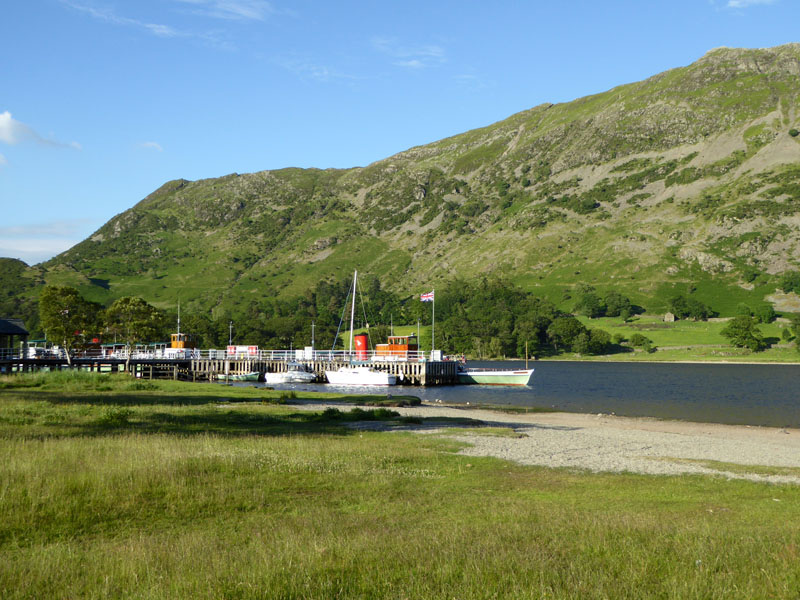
(494,376)
(295,373)
(251,376)
(360,375)
(355,374)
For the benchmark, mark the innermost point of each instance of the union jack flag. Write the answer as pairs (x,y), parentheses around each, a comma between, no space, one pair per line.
(426,297)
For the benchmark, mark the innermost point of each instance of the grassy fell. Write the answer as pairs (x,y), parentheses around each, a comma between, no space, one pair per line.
(251,500)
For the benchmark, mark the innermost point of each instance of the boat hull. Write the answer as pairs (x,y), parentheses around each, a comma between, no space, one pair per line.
(289,377)
(253,376)
(359,376)
(495,376)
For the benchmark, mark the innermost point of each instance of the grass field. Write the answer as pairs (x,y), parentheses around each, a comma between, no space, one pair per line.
(113,488)
(686,340)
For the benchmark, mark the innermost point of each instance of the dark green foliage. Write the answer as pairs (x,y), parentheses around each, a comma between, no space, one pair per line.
(133,320)
(592,341)
(68,319)
(564,331)
(589,303)
(794,326)
(617,305)
(743,333)
(790,282)
(689,308)
(637,340)
(794,132)
(17,280)
(765,313)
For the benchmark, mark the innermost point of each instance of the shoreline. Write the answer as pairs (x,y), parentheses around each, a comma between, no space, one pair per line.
(609,443)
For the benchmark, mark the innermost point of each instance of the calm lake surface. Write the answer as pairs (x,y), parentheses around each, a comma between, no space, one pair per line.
(713,393)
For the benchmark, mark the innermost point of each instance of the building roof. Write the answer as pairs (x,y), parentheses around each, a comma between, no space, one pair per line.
(13,327)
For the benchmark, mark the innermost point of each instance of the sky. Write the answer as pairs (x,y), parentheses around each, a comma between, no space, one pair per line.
(103,101)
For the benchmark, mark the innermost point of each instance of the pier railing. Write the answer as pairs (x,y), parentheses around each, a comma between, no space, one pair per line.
(190,354)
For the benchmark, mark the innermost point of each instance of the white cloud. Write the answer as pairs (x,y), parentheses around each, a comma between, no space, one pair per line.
(410,57)
(307,69)
(38,242)
(151,146)
(33,250)
(109,16)
(746,3)
(13,132)
(236,10)
(68,228)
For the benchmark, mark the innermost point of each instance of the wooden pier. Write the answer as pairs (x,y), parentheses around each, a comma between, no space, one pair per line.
(421,373)
(425,373)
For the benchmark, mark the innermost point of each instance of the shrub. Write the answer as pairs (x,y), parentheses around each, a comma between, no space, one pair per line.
(794,132)
(637,340)
(765,313)
(115,417)
(790,281)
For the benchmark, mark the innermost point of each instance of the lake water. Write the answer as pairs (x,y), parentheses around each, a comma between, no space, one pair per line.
(714,393)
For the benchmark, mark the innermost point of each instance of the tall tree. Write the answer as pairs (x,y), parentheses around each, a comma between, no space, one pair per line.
(134,320)
(743,333)
(66,317)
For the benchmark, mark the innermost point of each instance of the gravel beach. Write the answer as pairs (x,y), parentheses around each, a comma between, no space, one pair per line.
(614,444)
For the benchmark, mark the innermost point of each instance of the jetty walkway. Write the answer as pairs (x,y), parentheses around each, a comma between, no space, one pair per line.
(212,365)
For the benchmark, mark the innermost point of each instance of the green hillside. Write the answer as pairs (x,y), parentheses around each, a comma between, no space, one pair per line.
(686,182)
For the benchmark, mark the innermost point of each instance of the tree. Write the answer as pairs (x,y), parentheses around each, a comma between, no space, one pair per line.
(683,308)
(592,341)
(765,313)
(790,281)
(564,331)
(134,320)
(743,333)
(590,305)
(794,325)
(639,341)
(66,317)
(617,305)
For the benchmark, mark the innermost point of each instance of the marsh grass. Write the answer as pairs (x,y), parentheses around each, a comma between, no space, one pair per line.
(191,493)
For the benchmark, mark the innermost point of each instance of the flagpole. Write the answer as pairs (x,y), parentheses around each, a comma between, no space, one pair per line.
(433,324)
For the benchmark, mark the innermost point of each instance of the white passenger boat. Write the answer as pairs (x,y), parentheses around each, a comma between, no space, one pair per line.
(295,373)
(360,375)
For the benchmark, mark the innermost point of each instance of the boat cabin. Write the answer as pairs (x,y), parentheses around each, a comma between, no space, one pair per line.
(400,347)
(181,340)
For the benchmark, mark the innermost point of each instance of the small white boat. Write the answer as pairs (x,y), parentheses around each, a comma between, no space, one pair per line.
(360,376)
(295,373)
(495,376)
(251,376)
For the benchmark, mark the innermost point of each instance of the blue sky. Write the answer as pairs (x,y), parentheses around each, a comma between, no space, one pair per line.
(102,101)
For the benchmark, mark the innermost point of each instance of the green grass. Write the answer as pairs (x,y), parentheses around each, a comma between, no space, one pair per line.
(686,340)
(202,491)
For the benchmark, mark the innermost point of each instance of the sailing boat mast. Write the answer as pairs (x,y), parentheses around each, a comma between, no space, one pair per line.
(352,312)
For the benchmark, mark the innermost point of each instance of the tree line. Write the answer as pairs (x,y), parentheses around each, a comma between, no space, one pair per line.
(486,318)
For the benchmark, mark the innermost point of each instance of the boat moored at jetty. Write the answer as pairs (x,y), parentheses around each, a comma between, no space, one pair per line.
(360,375)
(251,376)
(295,373)
(355,373)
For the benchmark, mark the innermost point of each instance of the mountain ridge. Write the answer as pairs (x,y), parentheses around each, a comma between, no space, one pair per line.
(686,179)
